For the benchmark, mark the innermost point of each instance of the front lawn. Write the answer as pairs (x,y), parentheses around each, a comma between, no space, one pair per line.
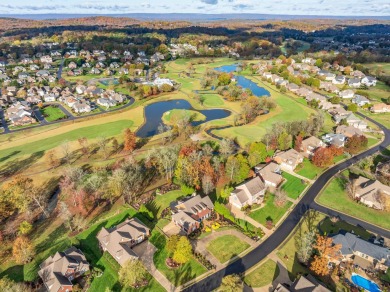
(328,227)
(335,197)
(263,275)
(288,252)
(179,276)
(293,186)
(161,202)
(270,211)
(308,169)
(52,113)
(226,247)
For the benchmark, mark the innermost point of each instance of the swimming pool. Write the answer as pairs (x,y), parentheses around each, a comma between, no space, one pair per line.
(365,283)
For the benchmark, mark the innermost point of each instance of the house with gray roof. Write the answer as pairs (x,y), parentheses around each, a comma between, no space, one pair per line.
(360,100)
(361,252)
(188,213)
(119,240)
(58,271)
(248,193)
(369,81)
(337,140)
(354,82)
(303,284)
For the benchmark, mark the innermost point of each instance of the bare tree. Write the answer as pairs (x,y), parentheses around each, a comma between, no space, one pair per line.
(102,143)
(207,149)
(79,222)
(226,147)
(66,215)
(351,187)
(207,184)
(304,246)
(280,198)
(65,147)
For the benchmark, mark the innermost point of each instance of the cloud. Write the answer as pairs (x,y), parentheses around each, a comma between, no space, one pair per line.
(102,7)
(211,2)
(33,7)
(242,6)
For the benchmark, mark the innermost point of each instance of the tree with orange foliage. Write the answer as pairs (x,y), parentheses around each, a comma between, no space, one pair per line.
(322,157)
(130,140)
(326,251)
(23,250)
(298,143)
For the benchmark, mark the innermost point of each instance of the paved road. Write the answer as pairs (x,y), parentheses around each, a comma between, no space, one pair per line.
(59,72)
(307,202)
(4,122)
(39,116)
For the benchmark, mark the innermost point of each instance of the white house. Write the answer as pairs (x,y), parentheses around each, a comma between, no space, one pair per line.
(369,81)
(348,93)
(354,82)
(251,192)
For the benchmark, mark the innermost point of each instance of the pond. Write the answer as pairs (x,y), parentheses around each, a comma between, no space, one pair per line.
(155,111)
(244,82)
(109,81)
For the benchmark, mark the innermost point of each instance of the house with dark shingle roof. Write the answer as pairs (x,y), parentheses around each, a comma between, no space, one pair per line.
(188,213)
(361,252)
(119,240)
(58,271)
(248,193)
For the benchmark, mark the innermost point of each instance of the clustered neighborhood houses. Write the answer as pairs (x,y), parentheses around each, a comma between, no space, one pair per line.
(33,79)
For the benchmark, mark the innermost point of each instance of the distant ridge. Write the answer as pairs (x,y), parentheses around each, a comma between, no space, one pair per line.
(193,17)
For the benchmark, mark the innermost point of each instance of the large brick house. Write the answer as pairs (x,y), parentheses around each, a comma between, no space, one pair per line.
(58,271)
(187,214)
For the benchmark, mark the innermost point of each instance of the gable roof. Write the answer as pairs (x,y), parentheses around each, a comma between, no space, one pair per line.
(54,268)
(350,243)
(115,239)
(249,189)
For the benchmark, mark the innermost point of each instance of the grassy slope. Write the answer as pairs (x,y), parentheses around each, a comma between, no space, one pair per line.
(307,169)
(287,252)
(336,198)
(287,109)
(293,186)
(53,113)
(262,275)
(226,247)
(270,211)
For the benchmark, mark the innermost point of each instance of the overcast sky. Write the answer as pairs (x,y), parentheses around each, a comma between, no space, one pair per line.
(292,7)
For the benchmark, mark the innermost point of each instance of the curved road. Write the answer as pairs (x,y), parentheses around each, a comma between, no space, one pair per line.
(282,232)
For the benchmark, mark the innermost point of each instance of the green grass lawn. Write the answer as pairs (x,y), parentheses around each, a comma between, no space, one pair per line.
(270,211)
(328,227)
(212,100)
(288,109)
(293,186)
(162,201)
(335,197)
(262,275)
(225,247)
(307,169)
(174,115)
(287,252)
(52,113)
(91,132)
(181,275)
